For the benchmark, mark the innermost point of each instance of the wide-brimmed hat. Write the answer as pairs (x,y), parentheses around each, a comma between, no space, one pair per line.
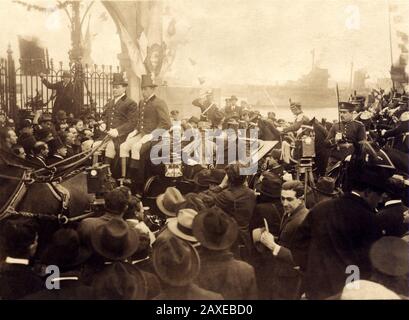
(270,185)
(181,226)
(65,250)
(367,290)
(26,123)
(120,281)
(119,79)
(215,229)
(206,177)
(168,202)
(43,133)
(147,81)
(326,186)
(115,240)
(176,262)
(390,256)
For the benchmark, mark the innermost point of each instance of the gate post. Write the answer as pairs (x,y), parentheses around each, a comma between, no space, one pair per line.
(11,74)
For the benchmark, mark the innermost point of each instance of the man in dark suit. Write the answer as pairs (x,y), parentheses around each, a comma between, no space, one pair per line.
(151,119)
(59,151)
(118,116)
(17,279)
(400,134)
(116,202)
(233,110)
(64,94)
(286,278)
(235,198)
(40,152)
(338,234)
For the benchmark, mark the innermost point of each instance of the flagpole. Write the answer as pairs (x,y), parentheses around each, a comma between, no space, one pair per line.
(390,41)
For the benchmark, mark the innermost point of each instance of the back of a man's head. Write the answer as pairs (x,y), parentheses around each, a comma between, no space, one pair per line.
(18,235)
(116,201)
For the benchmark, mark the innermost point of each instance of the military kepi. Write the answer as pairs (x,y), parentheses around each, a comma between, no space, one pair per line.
(346,106)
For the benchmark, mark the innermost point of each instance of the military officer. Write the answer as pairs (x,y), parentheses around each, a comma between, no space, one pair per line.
(118,116)
(343,136)
(300,118)
(152,114)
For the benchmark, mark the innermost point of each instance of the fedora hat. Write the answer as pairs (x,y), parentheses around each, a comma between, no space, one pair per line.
(390,256)
(270,185)
(181,226)
(233,98)
(214,229)
(119,79)
(120,281)
(146,81)
(206,177)
(326,186)
(175,261)
(168,202)
(65,250)
(115,240)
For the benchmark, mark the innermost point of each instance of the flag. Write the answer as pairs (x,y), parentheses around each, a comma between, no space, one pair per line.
(201,80)
(171,28)
(403,48)
(193,62)
(404,36)
(135,53)
(398,19)
(87,45)
(393,7)
(32,56)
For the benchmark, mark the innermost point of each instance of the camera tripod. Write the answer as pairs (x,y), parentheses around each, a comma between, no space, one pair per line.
(304,166)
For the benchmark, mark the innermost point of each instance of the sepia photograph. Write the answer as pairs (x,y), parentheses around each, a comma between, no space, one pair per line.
(206,150)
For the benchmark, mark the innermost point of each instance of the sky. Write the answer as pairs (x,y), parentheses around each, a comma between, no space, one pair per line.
(238,41)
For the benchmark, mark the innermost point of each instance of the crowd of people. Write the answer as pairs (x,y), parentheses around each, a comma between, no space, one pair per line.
(279,239)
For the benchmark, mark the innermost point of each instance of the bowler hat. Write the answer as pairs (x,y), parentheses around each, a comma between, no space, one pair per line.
(390,256)
(66,74)
(147,81)
(206,177)
(45,117)
(181,226)
(326,186)
(65,250)
(233,98)
(118,79)
(346,106)
(43,133)
(215,229)
(176,262)
(169,201)
(295,105)
(115,240)
(120,281)
(56,144)
(26,123)
(270,185)
(61,115)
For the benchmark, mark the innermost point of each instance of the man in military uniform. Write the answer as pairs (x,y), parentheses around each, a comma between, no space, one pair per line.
(152,114)
(118,117)
(300,118)
(343,136)
(206,105)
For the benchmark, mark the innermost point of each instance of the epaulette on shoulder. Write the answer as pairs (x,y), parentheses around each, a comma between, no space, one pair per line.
(357,121)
